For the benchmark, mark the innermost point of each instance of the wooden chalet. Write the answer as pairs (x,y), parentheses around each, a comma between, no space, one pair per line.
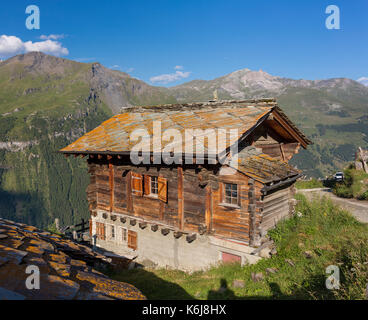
(190,216)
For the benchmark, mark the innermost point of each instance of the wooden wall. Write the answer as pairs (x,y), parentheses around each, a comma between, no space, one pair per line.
(276,206)
(227,221)
(273,144)
(191,206)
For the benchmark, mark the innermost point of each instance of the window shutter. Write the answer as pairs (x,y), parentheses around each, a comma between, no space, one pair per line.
(162,189)
(132,240)
(147,185)
(137,184)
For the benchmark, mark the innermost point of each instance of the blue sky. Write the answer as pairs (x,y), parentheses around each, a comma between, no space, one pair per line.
(203,39)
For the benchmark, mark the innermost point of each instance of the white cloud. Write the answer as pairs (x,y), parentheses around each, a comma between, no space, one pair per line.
(171,77)
(363,80)
(11,45)
(115,66)
(52,37)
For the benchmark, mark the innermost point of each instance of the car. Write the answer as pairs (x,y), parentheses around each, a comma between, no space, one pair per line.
(339,176)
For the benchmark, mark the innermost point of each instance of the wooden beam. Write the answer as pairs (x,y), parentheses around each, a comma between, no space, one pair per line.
(191,237)
(181,197)
(165,231)
(177,234)
(142,225)
(286,126)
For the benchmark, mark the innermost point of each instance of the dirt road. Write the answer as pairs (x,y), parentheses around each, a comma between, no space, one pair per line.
(357,208)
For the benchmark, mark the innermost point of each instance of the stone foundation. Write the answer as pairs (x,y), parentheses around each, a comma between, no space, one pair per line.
(155,248)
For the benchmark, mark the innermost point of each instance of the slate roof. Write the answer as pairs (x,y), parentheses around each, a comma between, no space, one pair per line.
(264,168)
(113,135)
(66,268)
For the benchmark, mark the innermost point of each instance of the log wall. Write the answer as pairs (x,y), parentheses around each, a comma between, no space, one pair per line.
(191,206)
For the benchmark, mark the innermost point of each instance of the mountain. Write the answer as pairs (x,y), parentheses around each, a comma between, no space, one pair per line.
(48,102)
(332,112)
(363,81)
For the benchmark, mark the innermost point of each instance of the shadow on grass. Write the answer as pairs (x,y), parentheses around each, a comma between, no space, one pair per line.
(154,287)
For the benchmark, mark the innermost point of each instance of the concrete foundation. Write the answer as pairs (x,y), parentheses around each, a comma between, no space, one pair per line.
(165,250)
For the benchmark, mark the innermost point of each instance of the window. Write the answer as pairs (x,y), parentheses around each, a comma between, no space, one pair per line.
(231,194)
(124,234)
(154,185)
(112,232)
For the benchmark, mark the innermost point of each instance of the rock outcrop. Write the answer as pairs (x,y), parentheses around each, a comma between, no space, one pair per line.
(66,269)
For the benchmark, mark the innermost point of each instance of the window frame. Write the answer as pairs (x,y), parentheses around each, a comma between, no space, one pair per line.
(225,197)
(153,180)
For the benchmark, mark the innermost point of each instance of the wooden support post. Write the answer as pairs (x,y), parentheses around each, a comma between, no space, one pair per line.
(111,181)
(208,212)
(181,197)
(282,152)
(129,191)
(252,212)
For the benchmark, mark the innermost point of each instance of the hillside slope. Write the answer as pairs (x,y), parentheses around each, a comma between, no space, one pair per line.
(46,103)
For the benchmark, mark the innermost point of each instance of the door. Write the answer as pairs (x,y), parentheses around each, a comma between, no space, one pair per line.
(132,240)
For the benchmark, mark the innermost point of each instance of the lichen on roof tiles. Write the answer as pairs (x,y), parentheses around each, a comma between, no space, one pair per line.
(113,135)
(60,262)
(262,167)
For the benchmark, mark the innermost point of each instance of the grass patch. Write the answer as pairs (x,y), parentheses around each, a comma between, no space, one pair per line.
(309,184)
(332,237)
(355,185)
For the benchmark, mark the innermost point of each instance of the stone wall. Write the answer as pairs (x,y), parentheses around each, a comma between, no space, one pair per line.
(160,250)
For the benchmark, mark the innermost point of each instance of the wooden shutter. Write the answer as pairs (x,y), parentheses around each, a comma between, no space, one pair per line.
(137,184)
(147,184)
(132,240)
(162,189)
(103,231)
(90,227)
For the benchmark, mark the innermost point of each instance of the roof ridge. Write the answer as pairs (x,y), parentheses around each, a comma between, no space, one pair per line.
(194,105)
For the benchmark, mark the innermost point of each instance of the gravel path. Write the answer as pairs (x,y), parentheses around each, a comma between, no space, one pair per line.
(358,208)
